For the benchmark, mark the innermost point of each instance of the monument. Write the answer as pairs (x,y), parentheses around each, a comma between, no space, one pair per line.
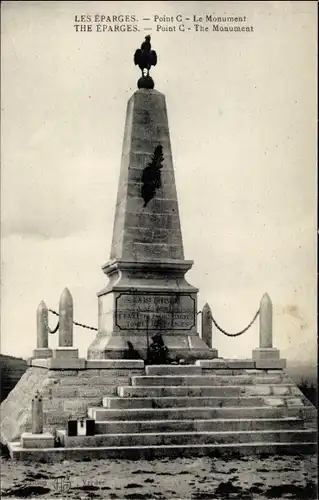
(114,405)
(147,293)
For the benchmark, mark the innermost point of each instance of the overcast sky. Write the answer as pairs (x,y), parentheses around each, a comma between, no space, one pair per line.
(242,117)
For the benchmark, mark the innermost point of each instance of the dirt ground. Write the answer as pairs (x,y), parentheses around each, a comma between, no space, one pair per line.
(185,479)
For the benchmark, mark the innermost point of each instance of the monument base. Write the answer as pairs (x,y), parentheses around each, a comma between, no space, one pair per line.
(135,346)
(266,353)
(268,358)
(42,353)
(144,299)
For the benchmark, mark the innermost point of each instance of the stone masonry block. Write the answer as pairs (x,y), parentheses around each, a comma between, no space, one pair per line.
(254,371)
(64,392)
(76,406)
(90,392)
(112,381)
(280,391)
(87,373)
(239,372)
(240,363)
(40,363)
(267,380)
(265,353)
(295,391)
(61,374)
(311,413)
(81,381)
(275,371)
(53,404)
(211,363)
(55,417)
(51,382)
(108,374)
(66,363)
(42,353)
(120,373)
(258,390)
(235,380)
(109,390)
(29,440)
(111,364)
(217,371)
(96,381)
(285,379)
(294,402)
(65,353)
(270,363)
(274,402)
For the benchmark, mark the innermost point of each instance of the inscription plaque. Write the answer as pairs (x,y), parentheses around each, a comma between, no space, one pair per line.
(164,312)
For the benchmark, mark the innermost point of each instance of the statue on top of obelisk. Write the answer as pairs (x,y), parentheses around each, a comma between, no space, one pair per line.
(145,57)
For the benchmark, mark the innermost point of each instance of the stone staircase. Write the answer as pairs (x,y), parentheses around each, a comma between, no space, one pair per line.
(177,409)
(194,410)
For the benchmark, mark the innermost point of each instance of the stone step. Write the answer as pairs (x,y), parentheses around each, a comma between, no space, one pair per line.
(180,402)
(99,413)
(180,438)
(173,370)
(216,425)
(163,391)
(210,380)
(162,451)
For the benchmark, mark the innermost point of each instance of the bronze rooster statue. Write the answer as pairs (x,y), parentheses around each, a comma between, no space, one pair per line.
(145,57)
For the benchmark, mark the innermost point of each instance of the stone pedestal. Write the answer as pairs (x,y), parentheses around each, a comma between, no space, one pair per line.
(29,440)
(66,358)
(63,358)
(42,353)
(266,353)
(147,292)
(65,353)
(268,358)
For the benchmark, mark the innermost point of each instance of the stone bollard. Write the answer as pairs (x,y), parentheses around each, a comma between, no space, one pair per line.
(207,325)
(266,356)
(37,414)
(42,326)
(265,322)
(207,329)
(42,351)
(66,357)
(37,439)
(66,319)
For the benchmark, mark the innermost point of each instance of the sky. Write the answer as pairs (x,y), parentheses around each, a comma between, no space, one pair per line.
(242,117)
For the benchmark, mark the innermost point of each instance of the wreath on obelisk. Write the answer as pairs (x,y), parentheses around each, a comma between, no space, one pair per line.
(151,176)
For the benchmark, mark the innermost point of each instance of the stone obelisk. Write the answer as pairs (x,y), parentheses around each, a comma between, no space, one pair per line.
(147,293)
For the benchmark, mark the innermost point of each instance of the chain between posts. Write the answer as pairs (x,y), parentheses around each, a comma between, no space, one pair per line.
(54,329)
(48,328)
(232,334)
(74,322)
(199,312)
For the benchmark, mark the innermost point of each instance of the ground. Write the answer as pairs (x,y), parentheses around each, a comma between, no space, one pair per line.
(185,479)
